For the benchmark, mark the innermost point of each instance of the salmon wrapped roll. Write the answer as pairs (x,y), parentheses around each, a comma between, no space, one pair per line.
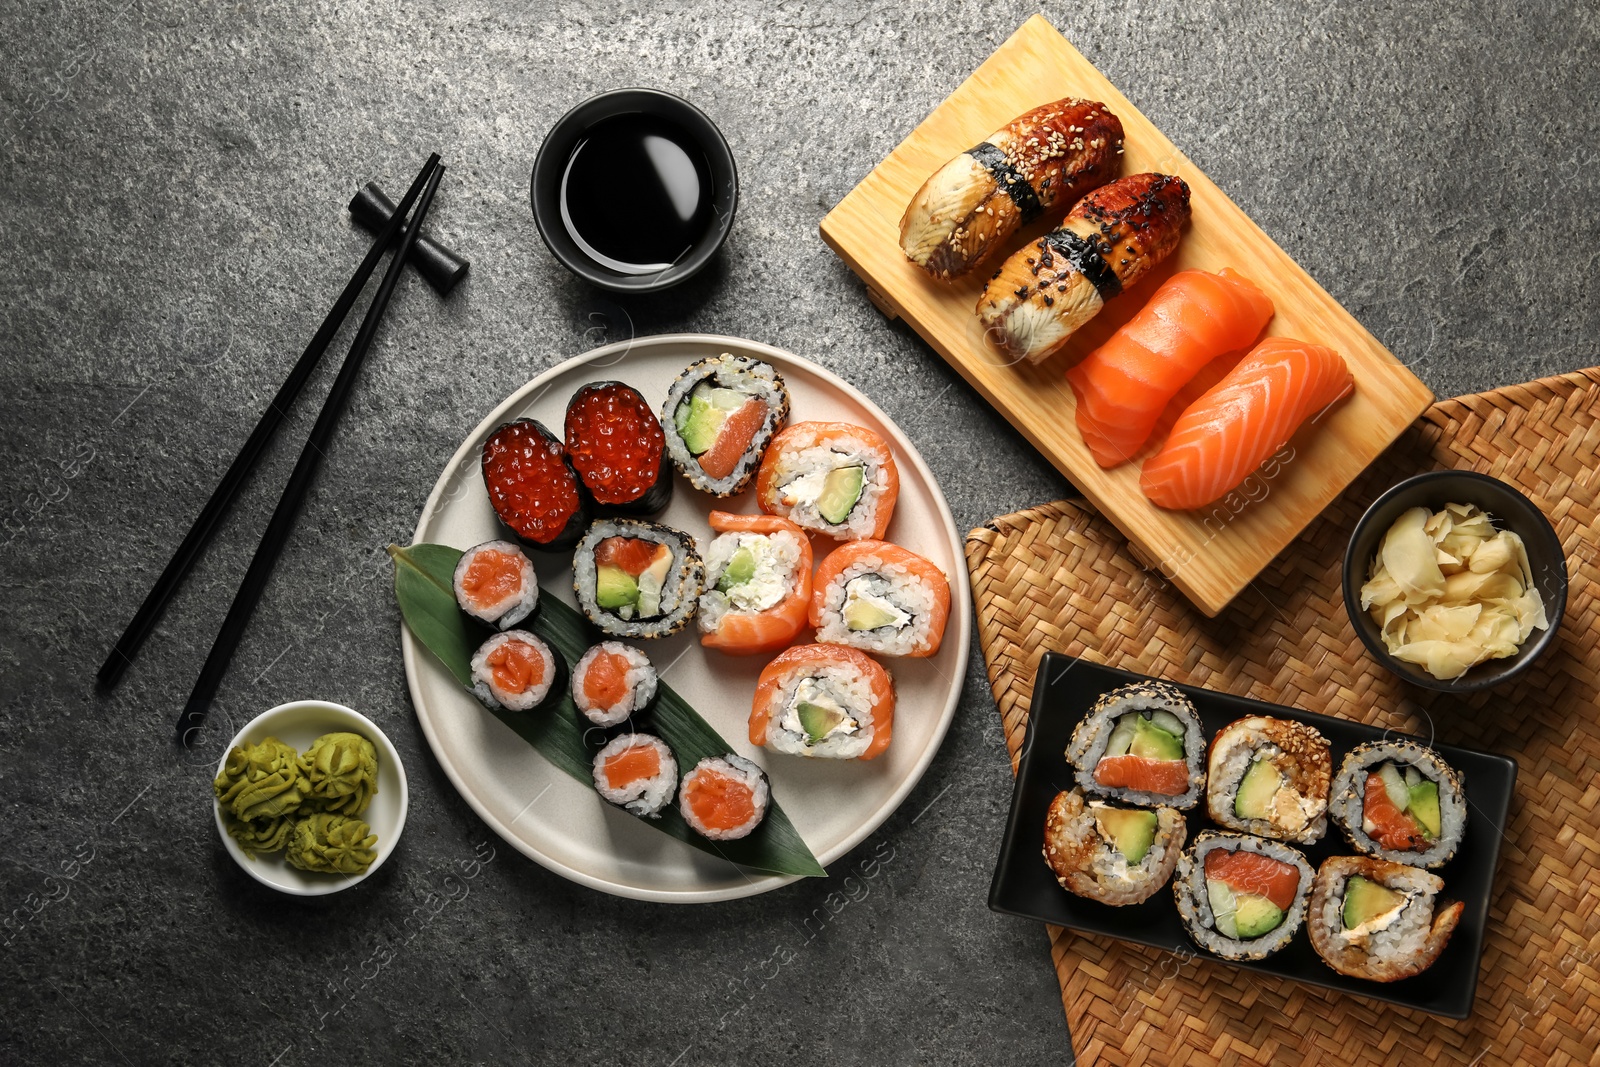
(833,478)
(824,700)
(758,584)
(881,598)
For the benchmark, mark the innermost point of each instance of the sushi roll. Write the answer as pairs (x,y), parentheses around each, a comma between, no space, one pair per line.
(636,772)
(1399,801)
(613,682)
(724,798)
(1114,855)
(495,583)
(758,584)
(618,449)
(823,700)
(1379,920)
(533,486)
(1241,897)
(831,477)
(1141,744)
(1270,777)
(637,579)
(515,671)
(880,598)
(720,415)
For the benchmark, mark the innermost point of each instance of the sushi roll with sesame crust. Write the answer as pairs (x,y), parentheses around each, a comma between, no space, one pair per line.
(1141,744)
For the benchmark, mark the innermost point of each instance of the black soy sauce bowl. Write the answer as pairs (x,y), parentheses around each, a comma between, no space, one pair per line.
(557,149)
(1510,510)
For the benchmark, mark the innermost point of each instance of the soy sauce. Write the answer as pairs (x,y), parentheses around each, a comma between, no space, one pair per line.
(636,194)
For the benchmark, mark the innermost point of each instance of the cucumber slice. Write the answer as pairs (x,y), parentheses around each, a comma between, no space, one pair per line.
(1121,737)
(726,399)
(1167,721)
(1224,908)
(1413,777)
(1395,786)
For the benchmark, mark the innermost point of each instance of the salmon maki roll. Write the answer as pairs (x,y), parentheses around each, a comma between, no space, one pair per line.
(1141,744)
(1242,897)
(1243,420)
(495,583)
(516,671)
(758,584)
(832,478)
(719,419)
(881,598)
(637,773)
(612,683)
(724,798)
(824,700)
(1123,386)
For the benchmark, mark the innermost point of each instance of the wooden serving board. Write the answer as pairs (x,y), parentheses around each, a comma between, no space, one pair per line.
(1212,555)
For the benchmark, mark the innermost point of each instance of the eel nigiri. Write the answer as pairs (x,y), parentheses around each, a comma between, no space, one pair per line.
(1052,154)
(1111,239)
(1244,419)
(1124,385)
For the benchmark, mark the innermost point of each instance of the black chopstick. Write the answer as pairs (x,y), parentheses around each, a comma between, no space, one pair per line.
(144,620)
(283,517)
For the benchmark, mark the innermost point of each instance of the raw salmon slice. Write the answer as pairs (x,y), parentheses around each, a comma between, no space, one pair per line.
(1123,386)
(1391,827)
(1170,777)
(1244,419)
(1251,872)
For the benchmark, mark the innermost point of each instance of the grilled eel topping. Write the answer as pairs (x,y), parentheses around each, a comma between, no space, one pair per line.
(1048,156)
(1112,238)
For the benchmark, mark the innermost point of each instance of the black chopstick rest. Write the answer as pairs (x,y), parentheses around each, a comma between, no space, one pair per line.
(442,268)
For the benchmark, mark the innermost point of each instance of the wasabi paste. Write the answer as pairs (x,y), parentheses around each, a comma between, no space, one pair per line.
(261,781)
(343,771)
(333,844)
(260,835)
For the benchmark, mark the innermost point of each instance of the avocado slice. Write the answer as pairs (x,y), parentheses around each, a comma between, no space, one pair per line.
(1224,907)
(699,427)
(740,569)
(1256,915)
(864,614)
(1152,742)
(1129,832)
(1365,900)
(1425,807)
(841,491)
(614,588)
(818,721)
(1256,790)
(1121,738)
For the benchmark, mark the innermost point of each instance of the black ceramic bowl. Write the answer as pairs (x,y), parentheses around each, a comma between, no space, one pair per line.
(1510,511)
(551,162)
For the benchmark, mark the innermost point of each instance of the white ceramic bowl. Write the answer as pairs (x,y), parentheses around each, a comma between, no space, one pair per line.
(298,724)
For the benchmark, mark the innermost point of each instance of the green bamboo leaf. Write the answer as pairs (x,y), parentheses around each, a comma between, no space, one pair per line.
(423,585)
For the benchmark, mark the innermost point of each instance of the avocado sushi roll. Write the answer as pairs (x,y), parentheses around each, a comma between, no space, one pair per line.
(719,417)
(495,583)
(1141,744)
(1379,920)
(1114,855)
(1401,802)
(637,579)
(638,773)
(833,478)
(516,671)
(1241,897)
(1270,777)
(618,449)
(533,486)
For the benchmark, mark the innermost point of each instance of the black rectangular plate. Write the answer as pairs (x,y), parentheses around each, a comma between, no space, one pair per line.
(1064,690)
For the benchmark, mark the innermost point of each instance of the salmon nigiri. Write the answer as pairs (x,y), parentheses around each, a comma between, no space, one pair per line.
(1123,386)
(1244,419)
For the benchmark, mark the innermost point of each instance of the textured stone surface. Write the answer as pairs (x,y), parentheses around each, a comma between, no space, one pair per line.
(174,176)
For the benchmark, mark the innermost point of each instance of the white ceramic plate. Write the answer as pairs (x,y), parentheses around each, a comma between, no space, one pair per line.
(299,724)
(564,825)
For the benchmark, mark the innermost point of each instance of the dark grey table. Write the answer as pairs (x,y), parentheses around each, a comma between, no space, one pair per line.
(173,181)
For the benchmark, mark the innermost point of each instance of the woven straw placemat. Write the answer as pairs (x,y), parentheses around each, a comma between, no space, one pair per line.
(1059,577)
